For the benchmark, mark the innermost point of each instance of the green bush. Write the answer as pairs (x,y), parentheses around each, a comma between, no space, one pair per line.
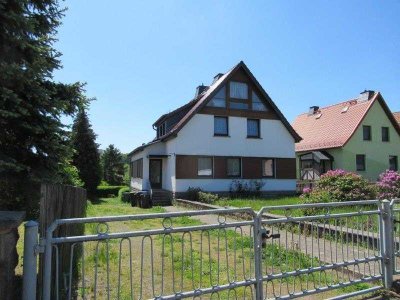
(121,192)
(344,186)
(207,197)
(192,193)
(107,191)
(314,197)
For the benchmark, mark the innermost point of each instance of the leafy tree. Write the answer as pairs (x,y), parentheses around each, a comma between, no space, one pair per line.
(86,157)
(33,140)
(113,165)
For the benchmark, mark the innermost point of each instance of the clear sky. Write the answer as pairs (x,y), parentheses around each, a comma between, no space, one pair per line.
(141,59)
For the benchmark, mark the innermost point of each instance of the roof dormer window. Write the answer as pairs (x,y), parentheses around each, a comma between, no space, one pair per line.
(161,130)
(238,90)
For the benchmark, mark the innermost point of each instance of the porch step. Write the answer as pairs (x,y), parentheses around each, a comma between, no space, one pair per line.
(161,197)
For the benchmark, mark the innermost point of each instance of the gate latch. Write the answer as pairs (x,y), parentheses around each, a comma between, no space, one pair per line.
(40,247)
(266,234)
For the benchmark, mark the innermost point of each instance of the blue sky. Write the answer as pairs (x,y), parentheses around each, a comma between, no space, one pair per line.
(141,59)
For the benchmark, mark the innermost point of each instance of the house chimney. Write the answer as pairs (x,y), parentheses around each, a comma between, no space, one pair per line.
(313,110)
(216,77)
(200,89)
(366,95)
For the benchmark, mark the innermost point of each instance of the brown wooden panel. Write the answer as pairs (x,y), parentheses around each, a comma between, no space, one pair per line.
(270,115)
(252,168)
(220,167)
(186,166)
(285,168)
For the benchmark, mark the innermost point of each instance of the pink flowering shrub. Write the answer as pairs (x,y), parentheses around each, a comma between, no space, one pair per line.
(340,185)
(388,185)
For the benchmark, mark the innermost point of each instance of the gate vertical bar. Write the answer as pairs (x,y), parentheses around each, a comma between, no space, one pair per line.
(387,237)
(258,256)
(30,261)
(47,265)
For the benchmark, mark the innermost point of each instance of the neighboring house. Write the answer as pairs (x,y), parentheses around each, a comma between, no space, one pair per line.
(397,116)
(359,135)
(230,130)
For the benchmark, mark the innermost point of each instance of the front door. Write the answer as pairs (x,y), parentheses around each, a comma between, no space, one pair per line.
(155,172)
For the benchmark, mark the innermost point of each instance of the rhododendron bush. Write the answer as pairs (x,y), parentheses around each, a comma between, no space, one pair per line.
(388,185)
(340,185)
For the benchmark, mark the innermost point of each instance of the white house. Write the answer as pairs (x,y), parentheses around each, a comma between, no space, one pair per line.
(230,130)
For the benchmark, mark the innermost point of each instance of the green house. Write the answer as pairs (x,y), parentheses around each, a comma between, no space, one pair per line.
(359,135)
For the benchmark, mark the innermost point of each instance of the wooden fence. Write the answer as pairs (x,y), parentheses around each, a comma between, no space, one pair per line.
(60,202)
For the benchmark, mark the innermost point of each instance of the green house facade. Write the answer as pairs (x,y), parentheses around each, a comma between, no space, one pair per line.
(359,135)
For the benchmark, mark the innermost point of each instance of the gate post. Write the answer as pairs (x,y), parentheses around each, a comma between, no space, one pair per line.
(30,262)
(258,256)
(387,237)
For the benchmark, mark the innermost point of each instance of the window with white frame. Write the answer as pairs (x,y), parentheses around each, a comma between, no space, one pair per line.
(238,90)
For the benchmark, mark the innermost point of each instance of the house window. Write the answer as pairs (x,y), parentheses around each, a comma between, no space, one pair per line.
(238,105)
(161,130)
(385,134)
(253,128)
(367,133)
(256,103)
(238,90)
(204,166)
(233,167)
(268,167)
(137,168)
(360,162)
(221,126)
(393,163)
(219,100)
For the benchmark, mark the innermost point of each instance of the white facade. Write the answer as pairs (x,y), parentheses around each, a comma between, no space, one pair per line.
(197,138)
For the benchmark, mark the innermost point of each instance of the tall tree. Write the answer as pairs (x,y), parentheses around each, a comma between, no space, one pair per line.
(86,157)
(33,140)
(113,165)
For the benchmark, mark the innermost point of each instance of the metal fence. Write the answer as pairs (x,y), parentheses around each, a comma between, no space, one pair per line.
(337,250)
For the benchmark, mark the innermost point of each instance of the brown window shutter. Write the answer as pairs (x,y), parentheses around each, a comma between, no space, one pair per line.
(285,168)
(186,166)
(252,168)
(220,167)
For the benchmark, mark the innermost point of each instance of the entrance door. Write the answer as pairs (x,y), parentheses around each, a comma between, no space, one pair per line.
(155,172)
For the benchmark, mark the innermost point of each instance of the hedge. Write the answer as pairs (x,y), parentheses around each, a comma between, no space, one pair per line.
(121,192)
(107,191)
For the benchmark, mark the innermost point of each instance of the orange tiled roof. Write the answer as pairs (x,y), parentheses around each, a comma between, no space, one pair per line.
(331,127)
(397,116)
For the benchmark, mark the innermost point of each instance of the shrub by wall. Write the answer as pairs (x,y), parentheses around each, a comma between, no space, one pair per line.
(121,194)
(108,191)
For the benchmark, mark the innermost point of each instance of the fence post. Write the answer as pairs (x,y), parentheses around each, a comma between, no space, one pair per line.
(258,257)
(30,261)
(387,243)
(47,265)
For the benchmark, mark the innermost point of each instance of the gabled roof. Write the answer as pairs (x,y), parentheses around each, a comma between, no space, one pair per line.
(397,116)
(203,99)
(199,102)
(333,126)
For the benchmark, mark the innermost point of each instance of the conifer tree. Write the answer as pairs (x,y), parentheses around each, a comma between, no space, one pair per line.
(113,165)
(86,157)
(33,140)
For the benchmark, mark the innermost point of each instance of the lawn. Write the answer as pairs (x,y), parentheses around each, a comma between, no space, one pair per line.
(147,266)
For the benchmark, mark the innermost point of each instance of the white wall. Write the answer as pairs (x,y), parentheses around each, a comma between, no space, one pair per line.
(197,138)
(221,185)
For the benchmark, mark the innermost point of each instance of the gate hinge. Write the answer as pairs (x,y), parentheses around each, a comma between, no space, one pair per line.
(40,247)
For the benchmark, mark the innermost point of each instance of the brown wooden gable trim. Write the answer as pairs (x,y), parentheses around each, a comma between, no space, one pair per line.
(270,115)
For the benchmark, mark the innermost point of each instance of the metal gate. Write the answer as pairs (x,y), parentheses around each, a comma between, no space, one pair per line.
(335,250)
